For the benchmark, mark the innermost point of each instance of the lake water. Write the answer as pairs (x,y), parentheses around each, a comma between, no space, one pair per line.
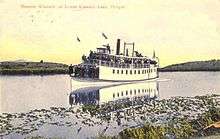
(24,93)
(21,94)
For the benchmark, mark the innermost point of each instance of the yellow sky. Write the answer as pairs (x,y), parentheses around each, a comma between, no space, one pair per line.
(178,30)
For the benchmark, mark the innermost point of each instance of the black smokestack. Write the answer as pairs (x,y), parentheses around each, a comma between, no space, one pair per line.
(118,47)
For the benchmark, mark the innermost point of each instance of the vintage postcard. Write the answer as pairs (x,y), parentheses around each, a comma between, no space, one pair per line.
(109,69)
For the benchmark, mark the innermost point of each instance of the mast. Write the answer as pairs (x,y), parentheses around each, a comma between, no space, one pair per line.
(154,54)
(132,60)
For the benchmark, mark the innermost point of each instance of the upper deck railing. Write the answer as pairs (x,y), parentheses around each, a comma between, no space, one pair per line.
(118,61)
(117,64)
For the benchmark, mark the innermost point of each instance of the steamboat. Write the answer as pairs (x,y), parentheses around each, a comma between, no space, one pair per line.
(126,64)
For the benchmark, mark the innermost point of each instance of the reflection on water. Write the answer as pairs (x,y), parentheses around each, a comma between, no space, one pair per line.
(114,100)
(115,93)
(51,107)
(25,93)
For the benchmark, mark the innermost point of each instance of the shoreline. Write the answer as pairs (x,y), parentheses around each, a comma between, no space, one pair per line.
(209,65)
(188,70)
(50,68)
(33,71)
(25,72)
(32,68)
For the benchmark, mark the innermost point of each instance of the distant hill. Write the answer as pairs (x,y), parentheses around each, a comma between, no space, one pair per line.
(210,65)
(14,68)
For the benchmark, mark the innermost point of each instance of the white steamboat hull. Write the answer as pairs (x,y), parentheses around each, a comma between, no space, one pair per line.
(78,83)
(127,74)
(107,77)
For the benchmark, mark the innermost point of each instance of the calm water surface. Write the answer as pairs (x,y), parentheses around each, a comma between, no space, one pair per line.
(24,93)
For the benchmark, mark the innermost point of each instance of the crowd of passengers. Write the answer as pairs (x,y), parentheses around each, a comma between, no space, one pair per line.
(95,57)
(86,71)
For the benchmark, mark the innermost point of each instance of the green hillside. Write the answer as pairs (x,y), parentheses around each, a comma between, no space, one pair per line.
(26,68)
(211,65)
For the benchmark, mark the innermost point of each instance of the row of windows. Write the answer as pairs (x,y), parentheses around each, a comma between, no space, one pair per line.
(135,92)
(134,71)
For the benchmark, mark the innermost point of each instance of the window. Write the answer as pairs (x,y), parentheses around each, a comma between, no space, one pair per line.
(121,71)
(126,92)
(118,94)
(145,71)
(142,71)
(121,93)
(135,91)
(114,95)
(130,92)
(113,71)
(134,71)
(138,90)
(139,72)
(126,71)
(130,71)
(118,71)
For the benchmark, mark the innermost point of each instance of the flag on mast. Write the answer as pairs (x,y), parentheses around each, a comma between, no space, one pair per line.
(78,39)
(104,36)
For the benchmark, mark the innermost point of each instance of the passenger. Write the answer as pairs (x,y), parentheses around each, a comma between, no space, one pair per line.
(70,69)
